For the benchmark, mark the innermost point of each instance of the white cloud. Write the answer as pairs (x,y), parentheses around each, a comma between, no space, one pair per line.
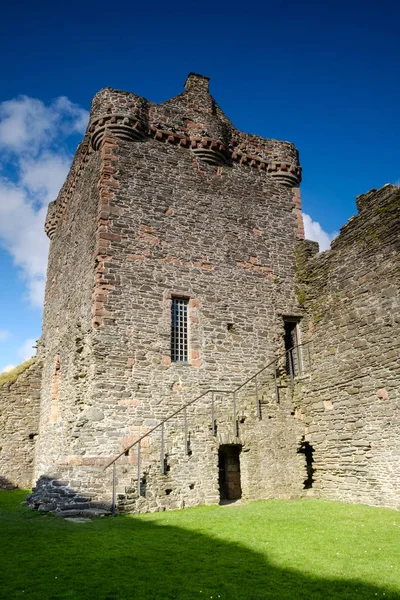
(31,138)
(4,334)
(27,350)
(44,177)
(7,369)
(22,235)
(313,231)
(26,124)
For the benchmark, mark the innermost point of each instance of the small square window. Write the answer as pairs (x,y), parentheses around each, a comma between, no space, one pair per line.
(179,330)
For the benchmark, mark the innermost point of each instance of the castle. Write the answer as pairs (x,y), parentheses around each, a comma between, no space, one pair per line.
(195,348)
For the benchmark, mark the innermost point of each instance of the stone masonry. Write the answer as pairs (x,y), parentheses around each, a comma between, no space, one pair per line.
(19,426)
(171,201)
(351,404)
(167,201)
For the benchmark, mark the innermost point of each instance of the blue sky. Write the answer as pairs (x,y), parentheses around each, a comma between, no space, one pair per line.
(322,75)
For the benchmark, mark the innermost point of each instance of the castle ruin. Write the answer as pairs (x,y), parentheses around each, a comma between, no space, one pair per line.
(182,298)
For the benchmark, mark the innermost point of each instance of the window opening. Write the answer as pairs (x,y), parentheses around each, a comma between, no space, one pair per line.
(292,340)
(179,330)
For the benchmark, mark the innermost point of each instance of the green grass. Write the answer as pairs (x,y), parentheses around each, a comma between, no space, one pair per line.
(12,376)
(266,550)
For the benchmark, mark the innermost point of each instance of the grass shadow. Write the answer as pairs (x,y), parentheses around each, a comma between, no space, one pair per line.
(181,555)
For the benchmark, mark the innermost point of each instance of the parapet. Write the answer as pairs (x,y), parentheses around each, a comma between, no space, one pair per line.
(363,201)
(191,120)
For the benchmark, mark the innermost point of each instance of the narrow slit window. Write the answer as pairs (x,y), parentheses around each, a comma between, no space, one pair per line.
(179,330)
(294,363)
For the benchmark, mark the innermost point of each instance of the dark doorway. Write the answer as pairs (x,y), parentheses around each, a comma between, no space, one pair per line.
(229,472)
(293,358)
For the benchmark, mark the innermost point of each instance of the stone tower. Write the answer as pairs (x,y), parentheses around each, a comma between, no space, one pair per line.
(171,272)
(195,348)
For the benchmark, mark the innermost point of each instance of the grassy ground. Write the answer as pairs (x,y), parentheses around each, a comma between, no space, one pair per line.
(301,550)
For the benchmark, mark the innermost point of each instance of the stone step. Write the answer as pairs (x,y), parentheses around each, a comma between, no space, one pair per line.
(74,506)
(85,512)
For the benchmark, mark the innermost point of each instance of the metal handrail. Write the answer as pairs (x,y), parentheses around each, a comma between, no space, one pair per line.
(210,391)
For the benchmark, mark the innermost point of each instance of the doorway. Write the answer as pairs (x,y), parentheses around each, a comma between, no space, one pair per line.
(292,341)
(229,472)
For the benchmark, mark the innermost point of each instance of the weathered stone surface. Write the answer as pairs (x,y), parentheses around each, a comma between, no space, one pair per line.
(352,298)
(19,427)
(171,200)
(148,219)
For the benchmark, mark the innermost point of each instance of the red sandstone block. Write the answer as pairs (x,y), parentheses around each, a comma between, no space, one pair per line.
(112,183)
(109,141)
(107,170)
(136,257)
(105,195)
(74,461)
(115,237)
(147,237)
(129,402)
(100,297)
(98,306)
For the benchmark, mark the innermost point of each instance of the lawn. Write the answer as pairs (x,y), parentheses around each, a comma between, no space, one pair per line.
(305,549)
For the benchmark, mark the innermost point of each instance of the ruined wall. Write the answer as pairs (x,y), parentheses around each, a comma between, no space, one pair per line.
(19,424)
(352,405)
(212,220)
(65,345)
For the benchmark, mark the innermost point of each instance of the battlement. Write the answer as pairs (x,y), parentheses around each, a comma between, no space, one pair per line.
(192,120)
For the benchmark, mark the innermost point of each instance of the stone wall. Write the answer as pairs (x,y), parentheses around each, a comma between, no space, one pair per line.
(65,347)
(171,200)
(351,406)
(157,213)
(19,426)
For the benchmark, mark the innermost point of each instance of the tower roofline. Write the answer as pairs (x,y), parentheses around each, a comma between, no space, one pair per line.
(197,82)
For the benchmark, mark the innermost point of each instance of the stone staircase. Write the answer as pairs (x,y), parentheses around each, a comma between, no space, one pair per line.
(52,495)
(260,396)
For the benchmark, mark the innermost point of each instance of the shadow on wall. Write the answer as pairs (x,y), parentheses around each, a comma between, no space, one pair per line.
(6,484)
(139,558)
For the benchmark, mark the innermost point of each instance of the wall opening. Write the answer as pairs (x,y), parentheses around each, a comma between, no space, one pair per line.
(229,472)
(292,340)
(179,330)
(308,451)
